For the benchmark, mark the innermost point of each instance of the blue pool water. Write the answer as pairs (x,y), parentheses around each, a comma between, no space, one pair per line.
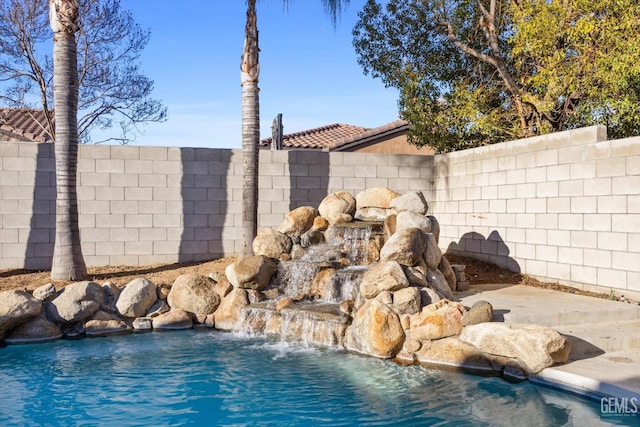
(205,377)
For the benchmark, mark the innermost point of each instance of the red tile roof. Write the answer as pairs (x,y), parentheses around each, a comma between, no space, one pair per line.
(317,138)
(335,136)
(23,125)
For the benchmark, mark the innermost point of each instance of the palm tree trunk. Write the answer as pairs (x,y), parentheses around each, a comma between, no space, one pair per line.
(68,263)
(249,72)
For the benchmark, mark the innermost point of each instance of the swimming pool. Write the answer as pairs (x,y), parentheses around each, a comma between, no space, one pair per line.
(207,377)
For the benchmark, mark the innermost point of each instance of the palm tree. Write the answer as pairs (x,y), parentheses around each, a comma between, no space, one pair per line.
(249,73)
(68,263)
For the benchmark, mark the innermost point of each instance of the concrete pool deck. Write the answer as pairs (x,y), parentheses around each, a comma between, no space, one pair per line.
(604,336)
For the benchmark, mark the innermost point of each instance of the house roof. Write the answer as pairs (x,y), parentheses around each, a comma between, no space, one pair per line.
(24,125)
(336,136)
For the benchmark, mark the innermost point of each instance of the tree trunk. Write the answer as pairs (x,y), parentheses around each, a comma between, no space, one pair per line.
(68,263)
(249,71)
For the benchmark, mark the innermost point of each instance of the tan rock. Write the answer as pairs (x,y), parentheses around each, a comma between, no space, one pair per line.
(174,319)
(409,219)
(379,197)
(413,202)
(535,346)
(104,324)
(297,221)
(406,301)
(337,208)
(480,312)
(227,314)
(383,276)
(439,320)
(406,247)
(252,272)
(449,275)
(136,298)
(452,351)
(194,293)
(271,243)
(375,330)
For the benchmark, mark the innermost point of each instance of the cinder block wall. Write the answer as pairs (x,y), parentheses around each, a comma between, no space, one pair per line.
(146,205)
(563,207)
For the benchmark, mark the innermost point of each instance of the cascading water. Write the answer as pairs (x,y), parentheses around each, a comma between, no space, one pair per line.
(327,274)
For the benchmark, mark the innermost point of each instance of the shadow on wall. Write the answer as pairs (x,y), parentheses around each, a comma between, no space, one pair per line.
(205,206)
(39,249)
(493,249)
(308,177)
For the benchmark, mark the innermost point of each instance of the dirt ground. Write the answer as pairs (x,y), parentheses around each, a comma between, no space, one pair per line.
(477,273)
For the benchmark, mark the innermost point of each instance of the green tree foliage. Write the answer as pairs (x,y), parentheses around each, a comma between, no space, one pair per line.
(475,72)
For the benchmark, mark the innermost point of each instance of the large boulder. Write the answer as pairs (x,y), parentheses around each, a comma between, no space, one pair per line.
(228,313)
(38,329)
(338,208)
(439,320)
(376,330)
(251,272)
(77,302)
(378,197)
(405,246)
(172,320)
(451,351)
(271,243)
(195,294)
(297,221)
(136,298)
(413,202)
(383,276)
(535,346)
(410,219)
(17,307)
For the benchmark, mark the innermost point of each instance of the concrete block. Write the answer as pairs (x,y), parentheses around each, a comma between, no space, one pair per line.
(524,191)
(547,253)
(584,204)
(584,274)
(138,220)
(536,206)
(547,189)
(559,237)
(516,205)
(154,153)
(110,248)
(573,188)
(625,223)
(110,165)
(536,236)
(612,278)
(597,258)
(611,167)
(123,234)
(583,170)
(625,261)
(137,248)
(517,176)
(94,152)
(626,185)
(570,221)
(584,239)
(558,172)
(597,222)
(612,241)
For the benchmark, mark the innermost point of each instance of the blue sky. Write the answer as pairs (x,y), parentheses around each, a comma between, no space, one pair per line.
(309,71)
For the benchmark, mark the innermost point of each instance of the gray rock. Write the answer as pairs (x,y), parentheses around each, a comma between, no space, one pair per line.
(432,253)
(136,298)
(435,227)
(428,296)
(38,329)
(158,308)
(480,312)
(45,292)
(437,280)
(76,302)
(413,202)
(142,324)
(448,273)
(194,293)
(409,219)
(17,307)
